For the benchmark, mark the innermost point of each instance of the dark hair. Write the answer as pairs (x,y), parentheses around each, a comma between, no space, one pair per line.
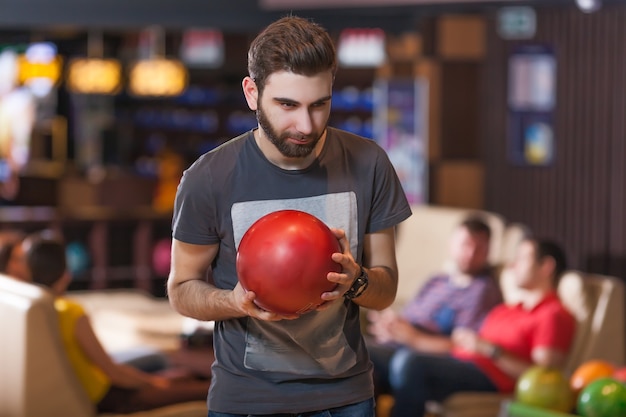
(291,44)
(46,258)
(475,224)
(546,248)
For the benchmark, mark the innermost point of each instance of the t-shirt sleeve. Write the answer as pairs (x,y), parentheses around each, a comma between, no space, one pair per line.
(390,204)
(69,312)
(194,217)
(555,331)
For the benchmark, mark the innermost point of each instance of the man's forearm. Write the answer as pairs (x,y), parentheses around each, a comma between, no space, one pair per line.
(381,290)
(202,301)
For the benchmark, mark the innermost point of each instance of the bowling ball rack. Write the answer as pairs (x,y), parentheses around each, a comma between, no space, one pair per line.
(515,409)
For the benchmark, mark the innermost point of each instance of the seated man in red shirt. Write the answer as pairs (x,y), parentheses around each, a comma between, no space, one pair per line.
(537,331)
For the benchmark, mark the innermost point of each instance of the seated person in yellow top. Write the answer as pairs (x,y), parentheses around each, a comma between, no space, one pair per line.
(112,387)
(13,264)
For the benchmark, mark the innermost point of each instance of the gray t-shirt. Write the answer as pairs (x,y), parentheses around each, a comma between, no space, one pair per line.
(319,360)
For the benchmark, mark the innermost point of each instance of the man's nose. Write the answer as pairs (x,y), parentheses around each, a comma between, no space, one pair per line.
(304,122)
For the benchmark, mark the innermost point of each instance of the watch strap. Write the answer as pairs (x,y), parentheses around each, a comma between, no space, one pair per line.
(359,285)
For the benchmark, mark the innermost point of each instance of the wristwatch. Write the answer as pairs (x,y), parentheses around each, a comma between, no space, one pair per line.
(358,286)
(495,351)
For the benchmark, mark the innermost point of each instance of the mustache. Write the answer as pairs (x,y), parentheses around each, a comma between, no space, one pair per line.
(296,135)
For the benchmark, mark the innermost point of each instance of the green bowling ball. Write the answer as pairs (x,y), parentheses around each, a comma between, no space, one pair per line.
(604,397)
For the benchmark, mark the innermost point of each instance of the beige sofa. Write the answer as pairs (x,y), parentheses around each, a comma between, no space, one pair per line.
(596,301)
(125,319)
(36,379)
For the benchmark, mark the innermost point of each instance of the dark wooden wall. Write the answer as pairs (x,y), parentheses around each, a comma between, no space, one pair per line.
(580,199)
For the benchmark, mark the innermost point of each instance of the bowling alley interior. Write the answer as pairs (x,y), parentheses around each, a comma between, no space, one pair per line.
(514,110)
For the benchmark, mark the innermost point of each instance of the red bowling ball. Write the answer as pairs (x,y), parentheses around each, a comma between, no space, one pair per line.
(285,257)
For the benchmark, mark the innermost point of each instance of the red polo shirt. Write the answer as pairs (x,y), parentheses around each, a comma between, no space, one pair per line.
(519,331)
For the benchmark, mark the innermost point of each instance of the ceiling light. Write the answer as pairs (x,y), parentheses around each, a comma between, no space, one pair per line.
(94,74)
(155,75)
(589,6)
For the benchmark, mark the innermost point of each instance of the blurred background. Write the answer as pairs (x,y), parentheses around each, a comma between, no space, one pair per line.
(515,107)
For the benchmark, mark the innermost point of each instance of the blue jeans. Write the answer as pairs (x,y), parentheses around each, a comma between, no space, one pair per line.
(417,378)
(362,409)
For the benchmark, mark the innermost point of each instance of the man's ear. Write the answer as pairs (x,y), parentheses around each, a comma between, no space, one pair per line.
(548,266)
(251,92)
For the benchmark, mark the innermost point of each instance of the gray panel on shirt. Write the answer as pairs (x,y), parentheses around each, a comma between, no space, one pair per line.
(316,343)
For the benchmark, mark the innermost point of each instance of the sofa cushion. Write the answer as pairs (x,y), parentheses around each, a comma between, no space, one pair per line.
(32,358)
(422,244)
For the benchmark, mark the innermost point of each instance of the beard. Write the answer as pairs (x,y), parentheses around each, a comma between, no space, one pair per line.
(281,142)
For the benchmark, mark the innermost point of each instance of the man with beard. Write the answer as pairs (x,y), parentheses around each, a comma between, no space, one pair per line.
(313,364)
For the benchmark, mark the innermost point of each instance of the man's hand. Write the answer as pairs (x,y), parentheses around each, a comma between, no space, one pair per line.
(350,270)
(388,327)
(244,302)
(469,341)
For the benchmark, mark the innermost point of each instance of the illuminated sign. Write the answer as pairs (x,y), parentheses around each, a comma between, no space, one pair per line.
(202,48)
(361,48)
(40,68)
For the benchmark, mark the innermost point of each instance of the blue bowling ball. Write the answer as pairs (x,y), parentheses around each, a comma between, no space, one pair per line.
(78,259)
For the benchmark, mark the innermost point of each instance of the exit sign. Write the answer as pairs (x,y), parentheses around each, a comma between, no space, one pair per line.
(517,22)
